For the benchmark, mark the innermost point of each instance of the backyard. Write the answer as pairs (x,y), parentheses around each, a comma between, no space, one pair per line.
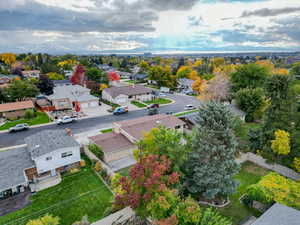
(40,118)
(79,194)
(159,101)
(249,174)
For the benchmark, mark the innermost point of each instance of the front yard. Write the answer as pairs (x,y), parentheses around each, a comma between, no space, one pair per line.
(40,118)
(160,101)
(249,174)
(138,104)
(77,195)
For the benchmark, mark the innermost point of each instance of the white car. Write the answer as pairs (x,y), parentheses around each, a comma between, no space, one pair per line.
(19,127)
(189,107)
(66,119)
(162,94)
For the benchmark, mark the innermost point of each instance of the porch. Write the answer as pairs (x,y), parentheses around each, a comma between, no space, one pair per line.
(45,182)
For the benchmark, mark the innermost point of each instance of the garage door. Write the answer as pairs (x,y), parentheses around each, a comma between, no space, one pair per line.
(84,105)
(93,104)
(121,100)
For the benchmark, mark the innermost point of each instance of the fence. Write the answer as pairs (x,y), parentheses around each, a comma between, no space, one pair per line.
(282,170)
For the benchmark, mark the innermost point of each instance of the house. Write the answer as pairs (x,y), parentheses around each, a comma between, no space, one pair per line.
(279,214)
(141,77)
(31,73)
(185,84)
(122,141)
(61,82)
(123,95)
(65,97)
(45,155)
(6,79)
(14,110)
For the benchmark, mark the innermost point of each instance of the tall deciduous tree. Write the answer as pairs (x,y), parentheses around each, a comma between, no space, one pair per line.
(96,75)
(45,85)
(295,69)
(249,76)
(211,165)
(19,90)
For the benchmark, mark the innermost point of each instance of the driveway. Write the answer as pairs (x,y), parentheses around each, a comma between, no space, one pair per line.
(100,110)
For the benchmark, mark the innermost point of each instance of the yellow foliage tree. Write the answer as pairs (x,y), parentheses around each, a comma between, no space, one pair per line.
(281,71)
(198,63)
(98,166)
(55,76)
(68,62)
(281,144)
(103,86)
(218,61)
(45,220)
(198,85)
(296,164)
(8,58)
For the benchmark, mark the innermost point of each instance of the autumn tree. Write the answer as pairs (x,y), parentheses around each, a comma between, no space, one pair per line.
(162,76)
(8,58)
(198,85)
(248,76)
(19,90)
(78,76)
(183,72)
(55,76)
(211,166)
(147,188)
(163,141)
(281,143)
(45,220)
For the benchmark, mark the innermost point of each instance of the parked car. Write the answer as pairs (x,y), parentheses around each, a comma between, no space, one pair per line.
(152,111)
(19,127)
(66,119)
(162,94)
(169,113)
(189,107)
(120,110)
(152,106)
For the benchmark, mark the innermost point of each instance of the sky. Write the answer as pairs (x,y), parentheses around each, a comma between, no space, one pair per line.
(95,26)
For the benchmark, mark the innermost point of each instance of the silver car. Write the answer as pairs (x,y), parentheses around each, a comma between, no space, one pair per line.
(19,127)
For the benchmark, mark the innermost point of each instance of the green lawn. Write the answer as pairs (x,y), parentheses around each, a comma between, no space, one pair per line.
(106,130)
(138,104)
(160,101)
(186,112)
(249,174)
(39,119)
(77,195)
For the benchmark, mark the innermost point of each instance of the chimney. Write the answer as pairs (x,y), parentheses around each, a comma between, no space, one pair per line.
(69,132)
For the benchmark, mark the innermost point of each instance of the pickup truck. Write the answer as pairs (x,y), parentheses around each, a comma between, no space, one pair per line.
(19,127)
(66,119)
(120,110)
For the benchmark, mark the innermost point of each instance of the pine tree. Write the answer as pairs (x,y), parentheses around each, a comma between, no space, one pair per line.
(211,164)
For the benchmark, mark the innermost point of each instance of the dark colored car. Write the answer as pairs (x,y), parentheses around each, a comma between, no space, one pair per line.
(152,111)
(153,106)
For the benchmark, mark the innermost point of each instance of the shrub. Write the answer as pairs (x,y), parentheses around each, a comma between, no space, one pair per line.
(82,163)
(29,114)
(96,150)
(212,217)
(98,167)
(296,164)
(74,170)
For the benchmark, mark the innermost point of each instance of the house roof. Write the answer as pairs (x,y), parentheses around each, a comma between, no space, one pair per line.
(48,141)
(61,82)
(111,142)
(16,106)
(138,127)
(12,165)
(128,90)
(192,117)
(139,76)
(185,81)
(72,92)
(279,214)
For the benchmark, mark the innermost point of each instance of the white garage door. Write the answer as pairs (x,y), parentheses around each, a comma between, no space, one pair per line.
(84,105)
(121,100)
(93,104)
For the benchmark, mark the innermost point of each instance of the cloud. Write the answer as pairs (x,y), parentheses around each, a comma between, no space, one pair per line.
(270,12)
(163,5)
(195,21)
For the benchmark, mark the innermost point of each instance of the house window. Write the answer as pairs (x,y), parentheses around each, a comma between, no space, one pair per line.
(130,96)
(177,127)
(66,154)
(48,158)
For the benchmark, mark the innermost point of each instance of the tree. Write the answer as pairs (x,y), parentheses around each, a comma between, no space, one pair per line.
(78,76)
(281,143)
(296,164)
(49,67)
(163,141)
(183,72)
(198,85)
(19,90)
(8,58)
(212,217)
(55,76)
(251,101)
(96,75)
(295,69)
(45,220)
(45,85)
(148,187)
(163,76)
(211,166)
(249,76)
(188,212)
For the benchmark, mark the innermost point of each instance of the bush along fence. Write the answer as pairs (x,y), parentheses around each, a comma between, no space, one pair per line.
(282,170)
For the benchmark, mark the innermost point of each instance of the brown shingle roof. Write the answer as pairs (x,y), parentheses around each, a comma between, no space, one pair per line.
(16,106)
(128,90)
(138,127)
(111,142)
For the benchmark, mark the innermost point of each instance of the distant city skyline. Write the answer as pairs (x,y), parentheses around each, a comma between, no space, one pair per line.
(131,26)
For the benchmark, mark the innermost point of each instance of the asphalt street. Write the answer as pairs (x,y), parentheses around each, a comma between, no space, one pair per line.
(83,125)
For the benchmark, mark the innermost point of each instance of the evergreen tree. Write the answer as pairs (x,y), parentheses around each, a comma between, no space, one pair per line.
(211,164)
(45,85)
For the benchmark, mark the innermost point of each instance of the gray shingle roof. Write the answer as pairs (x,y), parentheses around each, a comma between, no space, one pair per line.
(128,90)
(12,165)
(279,215)
(48,141)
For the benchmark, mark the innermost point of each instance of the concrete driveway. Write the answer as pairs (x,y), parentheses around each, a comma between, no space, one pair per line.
(100,110)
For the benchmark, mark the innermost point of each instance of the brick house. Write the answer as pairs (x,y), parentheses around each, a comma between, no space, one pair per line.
(45,156)
(122,141)
(15,110)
